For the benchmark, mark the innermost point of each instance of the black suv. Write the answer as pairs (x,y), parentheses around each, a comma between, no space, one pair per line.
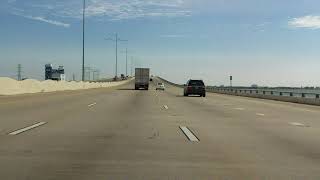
(194,87)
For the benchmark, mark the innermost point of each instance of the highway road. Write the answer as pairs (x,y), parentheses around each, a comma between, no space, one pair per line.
(119,133)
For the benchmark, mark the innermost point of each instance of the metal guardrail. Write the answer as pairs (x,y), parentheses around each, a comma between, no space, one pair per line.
(265,92)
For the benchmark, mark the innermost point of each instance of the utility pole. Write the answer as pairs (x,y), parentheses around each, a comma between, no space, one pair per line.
(116,41)
(83,26)
(19,72)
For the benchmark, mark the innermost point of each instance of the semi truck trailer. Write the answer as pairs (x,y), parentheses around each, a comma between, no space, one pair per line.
(142,76)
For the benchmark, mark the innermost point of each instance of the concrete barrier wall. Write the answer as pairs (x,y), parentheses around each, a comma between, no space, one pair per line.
(171,83)
(310,101)
(10,86)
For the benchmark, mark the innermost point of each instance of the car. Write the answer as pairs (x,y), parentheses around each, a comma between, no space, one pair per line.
(160,86)
(194,87)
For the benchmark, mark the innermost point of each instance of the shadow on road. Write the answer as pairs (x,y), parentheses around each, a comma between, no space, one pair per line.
(126,89)
(193,96)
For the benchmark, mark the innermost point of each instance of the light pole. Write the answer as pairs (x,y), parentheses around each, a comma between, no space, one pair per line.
(83,25)
(116,40)
(126,51)
(126,61)
(131,65)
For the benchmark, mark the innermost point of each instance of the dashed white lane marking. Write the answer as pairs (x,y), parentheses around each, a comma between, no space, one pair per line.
(308,110)
(90,105)
(297,124)
(166,107)
(241,109)
(260,114)
(27,128)
(189,134)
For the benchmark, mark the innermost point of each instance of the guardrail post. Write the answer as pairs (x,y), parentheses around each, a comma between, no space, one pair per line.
(280,93)
(291,94)
(303,95)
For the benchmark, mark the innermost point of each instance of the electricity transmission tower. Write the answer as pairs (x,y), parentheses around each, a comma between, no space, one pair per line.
(19,72)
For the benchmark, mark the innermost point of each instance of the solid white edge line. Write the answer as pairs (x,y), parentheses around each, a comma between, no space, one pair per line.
(92,104)
(189,134)
(27,128)
(260,114)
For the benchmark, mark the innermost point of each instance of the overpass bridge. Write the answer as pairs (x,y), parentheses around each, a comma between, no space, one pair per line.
(119,133)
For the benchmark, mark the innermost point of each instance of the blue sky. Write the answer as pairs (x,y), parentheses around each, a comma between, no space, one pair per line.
(267,42)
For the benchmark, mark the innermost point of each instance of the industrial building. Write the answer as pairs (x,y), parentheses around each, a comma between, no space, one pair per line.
(54,74)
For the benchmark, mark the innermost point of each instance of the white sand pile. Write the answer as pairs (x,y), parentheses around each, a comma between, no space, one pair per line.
(10,86)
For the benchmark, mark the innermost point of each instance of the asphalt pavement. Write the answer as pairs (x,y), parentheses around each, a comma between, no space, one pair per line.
(119,133)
